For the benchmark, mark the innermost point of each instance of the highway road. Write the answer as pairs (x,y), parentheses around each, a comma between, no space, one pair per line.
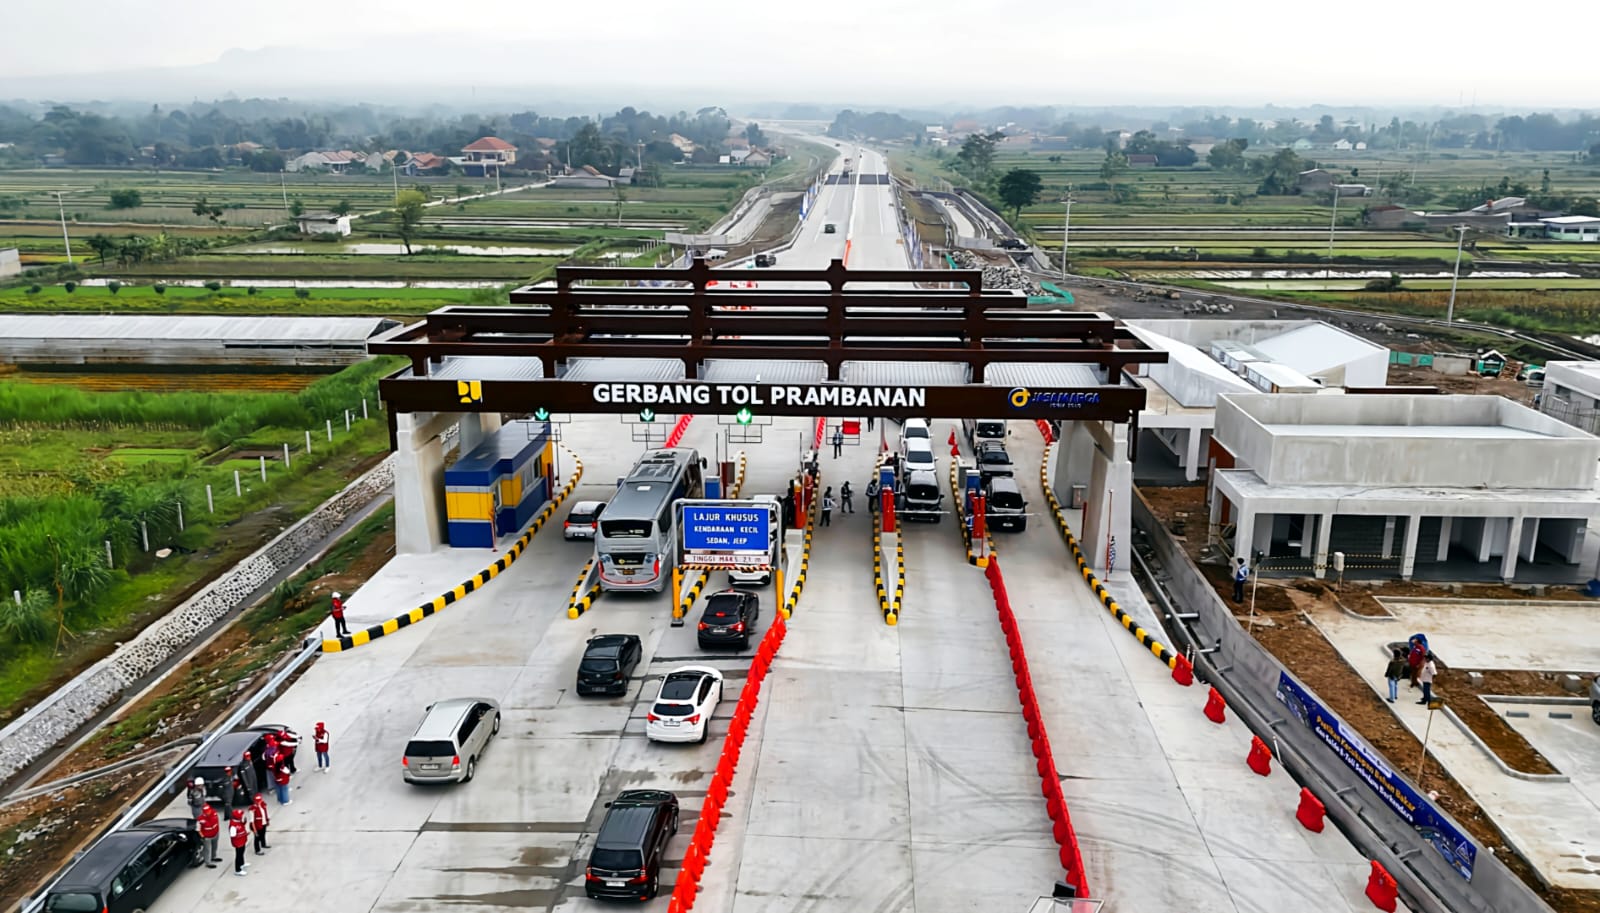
(886,770)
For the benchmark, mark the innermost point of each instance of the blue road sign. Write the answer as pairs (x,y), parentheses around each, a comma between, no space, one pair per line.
(727,528)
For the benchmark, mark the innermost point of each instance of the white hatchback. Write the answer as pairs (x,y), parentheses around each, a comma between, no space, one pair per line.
(682,712)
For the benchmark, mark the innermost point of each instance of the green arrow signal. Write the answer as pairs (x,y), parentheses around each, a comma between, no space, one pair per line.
(543,415)
(743,416)
(647,415)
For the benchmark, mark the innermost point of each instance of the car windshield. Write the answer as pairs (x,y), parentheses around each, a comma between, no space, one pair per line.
(994,455)
(598,665)
(576,517)
(616,860)
(919,457)
(1009,500)
(679,689)
(626,529)
(672,709)
(421,748)
(723,607)
(72,903)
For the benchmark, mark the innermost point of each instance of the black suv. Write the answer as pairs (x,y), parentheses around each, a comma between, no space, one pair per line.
(128,869)
(626,861)
(765,260)
(608,661)
(730,617)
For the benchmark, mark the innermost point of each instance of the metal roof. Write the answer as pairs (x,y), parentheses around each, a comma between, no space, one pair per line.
(487,367)
(726,370)
(616,369)
(1315,348)
(1042,374)
(905,373)
(175,328)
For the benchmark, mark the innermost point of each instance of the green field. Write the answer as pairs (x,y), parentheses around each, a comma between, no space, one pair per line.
(142,299)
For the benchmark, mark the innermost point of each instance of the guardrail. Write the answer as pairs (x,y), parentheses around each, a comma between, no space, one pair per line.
(162,790)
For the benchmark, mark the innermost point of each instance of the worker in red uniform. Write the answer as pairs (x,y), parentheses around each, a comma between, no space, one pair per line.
(339,627)
(259,821)
(210,829)
(238,835)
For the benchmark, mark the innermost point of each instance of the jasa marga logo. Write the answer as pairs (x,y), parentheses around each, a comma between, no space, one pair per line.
(1021,397)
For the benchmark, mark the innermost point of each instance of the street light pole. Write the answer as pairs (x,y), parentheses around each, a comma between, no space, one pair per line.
(1455,277)
(62,208)
(1066,234)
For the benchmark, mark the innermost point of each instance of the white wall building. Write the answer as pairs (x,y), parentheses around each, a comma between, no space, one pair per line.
(1393,481)
(10,262)
(1572,393)
(1573,228)
(1207,358)
(322,223)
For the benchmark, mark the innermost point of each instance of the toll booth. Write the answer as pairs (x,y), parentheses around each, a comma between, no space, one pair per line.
(499,486)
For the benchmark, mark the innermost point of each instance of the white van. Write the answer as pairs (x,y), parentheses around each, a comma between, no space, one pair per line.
(915,428)
(917,453)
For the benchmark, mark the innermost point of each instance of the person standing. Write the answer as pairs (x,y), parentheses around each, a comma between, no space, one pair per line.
(827,507)
(1241,573)
(210,829)
(259,821)
(869,423)
(319,741)
(249,778)
(1425,676)
(838,443)
(196,797)
(340,629)
(288,743)
(1395,671)
(280,776)
(874,492)
(1418,652)
(238,835)
(270,753)
(846,498)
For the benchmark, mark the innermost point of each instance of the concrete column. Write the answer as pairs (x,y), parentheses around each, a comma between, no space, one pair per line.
(1191,458)
(475,428)
(1244,533)
(1388,536)
(1444,538)
(1074,460)
(1111,493)
(1485,530)
(1408,552)
(1215,507)
(1324,535)
(418,486)
(1308,532)
(1508,561)
(1530,539)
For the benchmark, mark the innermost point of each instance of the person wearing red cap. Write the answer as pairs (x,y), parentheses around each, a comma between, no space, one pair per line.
(280,776)
(340,629)
(238,835)
(288,744)
(319,741)
(249,778)
(259,822)
(210,829)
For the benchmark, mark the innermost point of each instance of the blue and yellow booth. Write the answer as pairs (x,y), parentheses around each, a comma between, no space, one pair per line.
(499,486)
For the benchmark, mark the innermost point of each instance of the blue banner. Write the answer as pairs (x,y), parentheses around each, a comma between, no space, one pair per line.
(1457,848)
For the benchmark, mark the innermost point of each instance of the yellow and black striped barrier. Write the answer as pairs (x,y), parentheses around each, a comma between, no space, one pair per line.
(478,580)
(959,506)
(585,593)
(890,598)
(1161,651)
(685,596)
(792,602)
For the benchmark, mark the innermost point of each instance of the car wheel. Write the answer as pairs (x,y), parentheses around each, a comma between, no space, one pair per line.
(705,731)
(472,768)
(496,730)
(654,887)
(1594,711)
(745,643)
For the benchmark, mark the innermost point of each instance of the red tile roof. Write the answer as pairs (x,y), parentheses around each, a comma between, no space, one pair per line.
(489,144)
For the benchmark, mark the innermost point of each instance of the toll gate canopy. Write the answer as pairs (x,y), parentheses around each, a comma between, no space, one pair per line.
(833,341)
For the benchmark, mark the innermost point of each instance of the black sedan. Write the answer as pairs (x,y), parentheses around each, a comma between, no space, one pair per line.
(228,751)
(608,661)
(729,618)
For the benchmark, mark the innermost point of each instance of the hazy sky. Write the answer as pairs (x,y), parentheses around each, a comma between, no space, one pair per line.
(887,51)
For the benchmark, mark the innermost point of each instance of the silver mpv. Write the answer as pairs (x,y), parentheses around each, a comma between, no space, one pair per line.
(453,736)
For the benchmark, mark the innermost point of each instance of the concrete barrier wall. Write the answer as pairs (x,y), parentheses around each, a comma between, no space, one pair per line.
(59,716)
(1427,880)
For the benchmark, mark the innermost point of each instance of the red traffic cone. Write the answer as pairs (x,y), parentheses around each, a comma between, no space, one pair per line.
(1311,811)
(952,441)
(1183,670)
(1216,707)
(1260,758)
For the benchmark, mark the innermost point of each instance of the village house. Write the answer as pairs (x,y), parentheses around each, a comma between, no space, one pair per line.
(486,156)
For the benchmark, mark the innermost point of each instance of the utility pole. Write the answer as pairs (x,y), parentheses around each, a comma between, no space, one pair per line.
(1066,233)
(62,208)
(1333,223)
(638,161)
(283,185)
(1455,277)
(394,172)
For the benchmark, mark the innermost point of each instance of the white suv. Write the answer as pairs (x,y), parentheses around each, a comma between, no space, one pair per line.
(682,712)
